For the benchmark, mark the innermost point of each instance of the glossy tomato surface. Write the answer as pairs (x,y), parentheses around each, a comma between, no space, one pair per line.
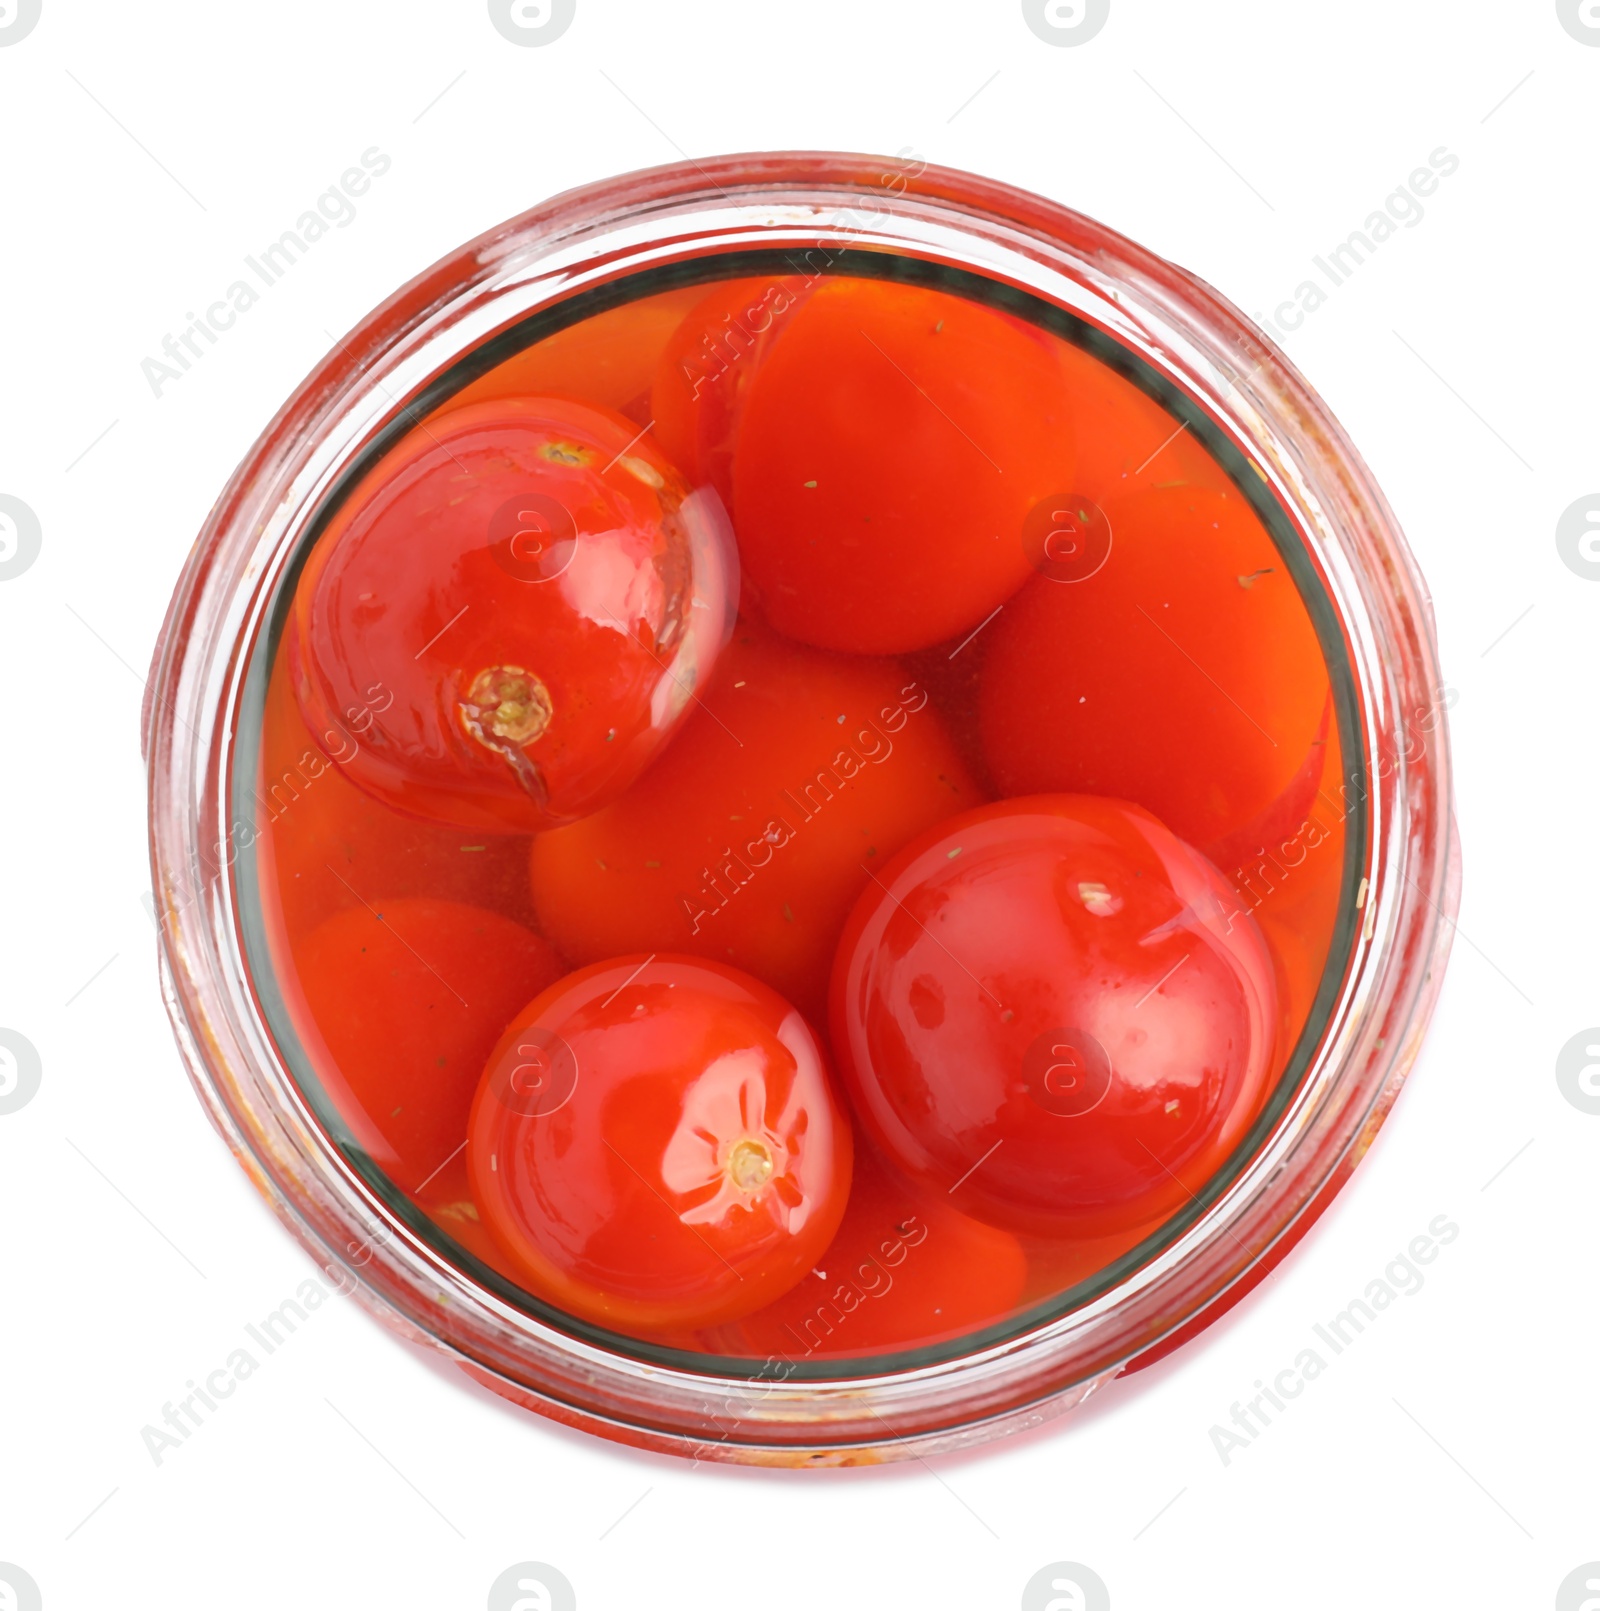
(905,1270)
(656,1144)
(399,1005)
(1055,1012)
(514,609)
(891,446)
(1184,674)
(751,837)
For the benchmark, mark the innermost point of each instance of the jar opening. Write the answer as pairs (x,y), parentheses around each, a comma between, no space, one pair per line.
(1295,865)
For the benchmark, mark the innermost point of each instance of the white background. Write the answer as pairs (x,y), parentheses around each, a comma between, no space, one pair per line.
(1447,1458)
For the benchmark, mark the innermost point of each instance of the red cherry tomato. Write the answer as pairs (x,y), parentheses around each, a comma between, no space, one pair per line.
(1126,441)
(608,359)
(1055,1011)
(905,1271)
(751,837)
(326,847)
(448,1201)
(655,1143)
(398,1007)
(1184,674)
(1284,818)
(891,447)
(705,372)
(511,613)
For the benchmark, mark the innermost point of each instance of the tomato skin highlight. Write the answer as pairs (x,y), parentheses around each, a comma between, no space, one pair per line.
(656,1144)
(890,448)
(508,668)
(1056,1012)
(905,1270)
(398,1006)
(752,836)
(1184,675)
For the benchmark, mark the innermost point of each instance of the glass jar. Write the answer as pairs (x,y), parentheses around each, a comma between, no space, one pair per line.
(1218,377)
